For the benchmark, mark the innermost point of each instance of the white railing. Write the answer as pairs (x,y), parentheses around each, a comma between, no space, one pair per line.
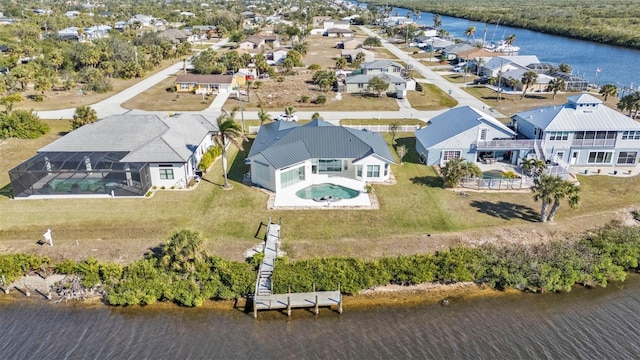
(506,144)
(384,128)
(497,184)
(594,142)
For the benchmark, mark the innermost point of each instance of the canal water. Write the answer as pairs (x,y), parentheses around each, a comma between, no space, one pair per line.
(583,324)
(617,65)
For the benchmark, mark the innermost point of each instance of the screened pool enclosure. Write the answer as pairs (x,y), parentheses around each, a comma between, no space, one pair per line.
(80,173)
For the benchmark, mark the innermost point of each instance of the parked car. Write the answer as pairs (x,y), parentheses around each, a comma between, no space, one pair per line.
(481,80)
(285,117)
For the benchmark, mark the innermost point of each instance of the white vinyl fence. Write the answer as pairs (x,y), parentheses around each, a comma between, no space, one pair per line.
(372,128)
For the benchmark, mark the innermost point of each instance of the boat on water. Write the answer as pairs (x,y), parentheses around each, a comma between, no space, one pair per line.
(502,47)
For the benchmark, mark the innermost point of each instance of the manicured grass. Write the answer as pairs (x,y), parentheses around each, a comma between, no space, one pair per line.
(349,102)
(430,98)
(123,229)
(157,98)
(458,78)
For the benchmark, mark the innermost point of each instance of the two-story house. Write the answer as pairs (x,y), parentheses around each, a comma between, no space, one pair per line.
(584,132)
(389,71)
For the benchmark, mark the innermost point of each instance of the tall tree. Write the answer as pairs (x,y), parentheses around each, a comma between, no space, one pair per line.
(556,85)
(229,132)
(565,190)
(544,190)
(565,68)
(456,169)
(469,32)
(372,41)
(377,85)
(528,79)
(510,39)
(263,116)
(341,63)
(437,21)
(608,90)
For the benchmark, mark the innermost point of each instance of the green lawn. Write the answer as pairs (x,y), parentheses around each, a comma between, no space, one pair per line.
(430,98)
(414,206)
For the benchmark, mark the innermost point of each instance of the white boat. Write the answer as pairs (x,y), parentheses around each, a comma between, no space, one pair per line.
(502,47)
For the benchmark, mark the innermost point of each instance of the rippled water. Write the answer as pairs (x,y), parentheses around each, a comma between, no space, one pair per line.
(585,324)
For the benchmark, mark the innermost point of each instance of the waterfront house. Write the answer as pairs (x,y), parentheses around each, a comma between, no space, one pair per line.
(456,133)
(121,155)
(583,132)
(286,153)
(501,64)
(207,84)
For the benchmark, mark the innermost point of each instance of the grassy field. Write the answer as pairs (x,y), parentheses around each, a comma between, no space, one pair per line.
(124,229)
(430,98)
(509,104)
(157,98)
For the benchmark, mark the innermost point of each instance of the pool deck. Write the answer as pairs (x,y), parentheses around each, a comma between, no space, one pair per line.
(287,198)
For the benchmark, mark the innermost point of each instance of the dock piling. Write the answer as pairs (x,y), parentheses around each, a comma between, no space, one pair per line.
(317,309)
(288,305)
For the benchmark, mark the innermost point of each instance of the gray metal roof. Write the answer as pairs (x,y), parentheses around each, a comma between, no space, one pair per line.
(454,122)
(285,143)
(380,64)
(582,113)
(145,138)
(364,78)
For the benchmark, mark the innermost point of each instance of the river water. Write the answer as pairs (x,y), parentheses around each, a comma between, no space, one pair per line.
(582,324)
(618,65)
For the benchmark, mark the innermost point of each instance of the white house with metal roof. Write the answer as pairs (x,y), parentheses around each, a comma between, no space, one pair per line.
(584,132)
(456,133)
(121,155)
(285,154)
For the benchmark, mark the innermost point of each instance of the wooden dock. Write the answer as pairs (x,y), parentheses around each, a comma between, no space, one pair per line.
(265,299)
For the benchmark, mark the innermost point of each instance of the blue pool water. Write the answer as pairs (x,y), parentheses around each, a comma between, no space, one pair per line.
(492,174)
(325,190)
(84,185)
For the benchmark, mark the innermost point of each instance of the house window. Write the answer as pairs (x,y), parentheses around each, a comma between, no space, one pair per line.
(386,169)
(373,171)
(360,86)
(558,135)
(290,177)
(450,154)
(600,157)
(329,165)
(184,86)
(631,135)
(627,157)
(483,134)
(166,174)
(359,170)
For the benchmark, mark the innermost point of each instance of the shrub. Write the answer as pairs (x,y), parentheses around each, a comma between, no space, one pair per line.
(15,265)
(37,97)
(148,194)
(320,99)
(315,67)
(172,89)
(304,99)
(22,124)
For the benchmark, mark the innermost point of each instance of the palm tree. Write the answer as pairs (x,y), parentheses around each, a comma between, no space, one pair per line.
(437,22)
(229,132)
(533,167)
(83,115)
(316,116)
(556,85)
(456,169)
(471,30)
(289,110)
(565,190)
(544,190)
(263,116)
(529,78)
(608,90)
(341,63)
(510,39)
(481,61)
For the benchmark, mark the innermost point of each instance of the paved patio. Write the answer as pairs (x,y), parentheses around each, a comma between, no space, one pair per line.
(287,199)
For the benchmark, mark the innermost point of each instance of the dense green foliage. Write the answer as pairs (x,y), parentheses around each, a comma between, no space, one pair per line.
(15,265)
(209,157)
(180,271)
(21,124)
(613,21)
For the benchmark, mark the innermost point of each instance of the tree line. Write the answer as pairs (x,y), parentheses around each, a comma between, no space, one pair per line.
(180,271)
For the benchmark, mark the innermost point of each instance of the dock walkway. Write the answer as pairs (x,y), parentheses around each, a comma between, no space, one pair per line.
(265,299)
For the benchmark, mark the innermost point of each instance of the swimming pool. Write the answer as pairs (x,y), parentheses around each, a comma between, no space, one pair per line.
(82,185)
(327,190)
(493,174)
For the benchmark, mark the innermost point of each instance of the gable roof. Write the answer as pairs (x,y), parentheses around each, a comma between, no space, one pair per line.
(204,79)
(458,48)
(364,78)
(581,113)
(286,143)
(145,138)
(380,64)
(456,121)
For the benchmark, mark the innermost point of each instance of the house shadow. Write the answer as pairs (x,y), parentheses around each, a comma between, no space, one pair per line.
(410,144)
(505,210)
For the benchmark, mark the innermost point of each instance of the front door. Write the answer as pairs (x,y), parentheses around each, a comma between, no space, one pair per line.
(574,157)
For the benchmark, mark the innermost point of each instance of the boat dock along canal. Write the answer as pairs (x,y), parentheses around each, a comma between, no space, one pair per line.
(265,299)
